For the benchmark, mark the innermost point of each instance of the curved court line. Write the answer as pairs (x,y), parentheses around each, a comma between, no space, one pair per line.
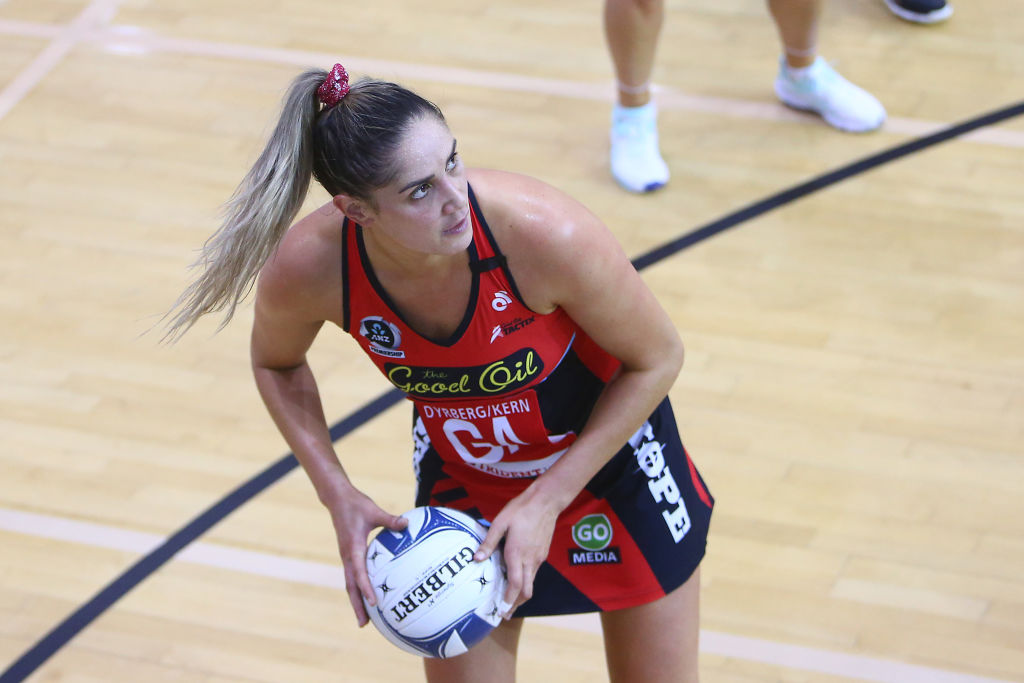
(322,574)
(823,181)
(77,621)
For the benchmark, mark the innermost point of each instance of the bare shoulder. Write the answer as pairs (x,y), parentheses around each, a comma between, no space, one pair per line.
(304,272)
(521,209)
(547,236)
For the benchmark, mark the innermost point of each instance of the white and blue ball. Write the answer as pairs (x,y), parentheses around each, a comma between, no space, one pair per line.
(433,600)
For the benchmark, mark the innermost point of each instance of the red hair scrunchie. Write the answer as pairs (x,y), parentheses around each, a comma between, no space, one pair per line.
(335,87)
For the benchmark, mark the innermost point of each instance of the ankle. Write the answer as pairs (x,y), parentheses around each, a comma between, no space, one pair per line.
(634,95)
(800,58)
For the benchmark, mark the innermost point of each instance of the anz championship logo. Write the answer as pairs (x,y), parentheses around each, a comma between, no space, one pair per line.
(593,536)
(383,336)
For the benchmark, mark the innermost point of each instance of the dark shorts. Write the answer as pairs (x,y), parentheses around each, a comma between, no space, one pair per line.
(634,534)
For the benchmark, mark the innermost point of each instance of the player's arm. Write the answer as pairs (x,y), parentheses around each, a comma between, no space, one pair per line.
(563,255)
(585,272)
(295,294)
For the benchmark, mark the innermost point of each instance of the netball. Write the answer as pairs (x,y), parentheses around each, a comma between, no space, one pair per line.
(433,600)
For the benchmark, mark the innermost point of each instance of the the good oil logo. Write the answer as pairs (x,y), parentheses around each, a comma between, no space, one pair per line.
(512,372)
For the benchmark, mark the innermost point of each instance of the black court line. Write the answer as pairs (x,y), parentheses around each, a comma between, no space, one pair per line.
(821,182)
(134,575)
(83,616)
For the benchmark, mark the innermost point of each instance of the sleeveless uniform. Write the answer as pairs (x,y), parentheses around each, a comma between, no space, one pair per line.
(499,402)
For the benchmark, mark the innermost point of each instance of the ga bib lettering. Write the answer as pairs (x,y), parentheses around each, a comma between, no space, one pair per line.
(504,437)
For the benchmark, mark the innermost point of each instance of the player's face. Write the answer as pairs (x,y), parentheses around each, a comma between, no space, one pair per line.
(426,207)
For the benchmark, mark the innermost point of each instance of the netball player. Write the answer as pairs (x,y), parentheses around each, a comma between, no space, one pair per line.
(537,362)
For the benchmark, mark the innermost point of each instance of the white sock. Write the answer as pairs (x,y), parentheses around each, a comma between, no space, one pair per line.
(644,111)
(798,73)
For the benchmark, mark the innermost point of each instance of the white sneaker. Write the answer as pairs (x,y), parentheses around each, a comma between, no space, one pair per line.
(636,162)
(820,89)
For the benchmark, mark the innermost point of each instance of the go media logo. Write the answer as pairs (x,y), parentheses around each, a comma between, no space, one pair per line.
(593,532)
(593,535)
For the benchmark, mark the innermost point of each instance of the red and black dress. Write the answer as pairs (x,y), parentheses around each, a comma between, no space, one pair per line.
(499,402)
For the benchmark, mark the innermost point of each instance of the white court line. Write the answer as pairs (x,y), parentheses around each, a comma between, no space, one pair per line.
(799,657)
(97,12)
(207,554)
(668,98)
(131,41)
(331,576)
(28,29)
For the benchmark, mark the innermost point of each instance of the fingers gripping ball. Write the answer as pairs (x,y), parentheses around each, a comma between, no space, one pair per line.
(433,600)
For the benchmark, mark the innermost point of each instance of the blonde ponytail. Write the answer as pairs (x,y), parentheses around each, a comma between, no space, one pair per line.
(256,216)
(349,146)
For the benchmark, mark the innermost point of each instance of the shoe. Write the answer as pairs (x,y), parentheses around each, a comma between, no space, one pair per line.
(820,89)
(921,11)
(635,160)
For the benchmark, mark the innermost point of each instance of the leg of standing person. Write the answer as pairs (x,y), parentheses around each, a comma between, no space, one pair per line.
(492,660)
(632,28)
(656,642)
(806,81)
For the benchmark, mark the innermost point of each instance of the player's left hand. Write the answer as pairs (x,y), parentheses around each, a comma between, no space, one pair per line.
(527,523)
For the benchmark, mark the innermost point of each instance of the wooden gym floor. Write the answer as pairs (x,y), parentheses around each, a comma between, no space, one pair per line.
(854,386)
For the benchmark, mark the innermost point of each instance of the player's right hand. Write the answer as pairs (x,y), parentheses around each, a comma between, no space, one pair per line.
(355,516)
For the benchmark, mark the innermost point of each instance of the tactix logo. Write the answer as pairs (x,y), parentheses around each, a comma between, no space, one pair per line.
(505,329)
(501,300)
(593,535)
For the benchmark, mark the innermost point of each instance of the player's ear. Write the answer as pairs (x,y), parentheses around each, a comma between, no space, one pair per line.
(356,210)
